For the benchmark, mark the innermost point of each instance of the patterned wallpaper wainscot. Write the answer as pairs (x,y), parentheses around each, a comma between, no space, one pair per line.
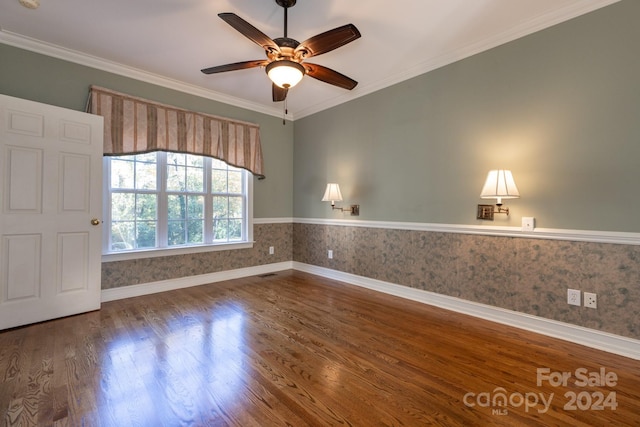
(117,274)
(527,275)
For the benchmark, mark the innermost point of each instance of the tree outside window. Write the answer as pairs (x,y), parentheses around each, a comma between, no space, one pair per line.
(163,200)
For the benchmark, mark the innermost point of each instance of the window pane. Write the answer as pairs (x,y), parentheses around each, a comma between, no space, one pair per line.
(219,181)
(235,229)
(146,206)
(195,231)
(176,233)
(220,228)
(235,207)
(146,234)
(220,207)
(195,161)
(146,157)
(176,207)
(137,171)
(176,159)
(176,180)
(195,207)
(122,175)
(235,181)
(122,235)
(218,164)
(146,176)
(123,206)
(195,181)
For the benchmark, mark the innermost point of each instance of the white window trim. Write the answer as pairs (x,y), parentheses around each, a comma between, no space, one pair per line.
(177,250)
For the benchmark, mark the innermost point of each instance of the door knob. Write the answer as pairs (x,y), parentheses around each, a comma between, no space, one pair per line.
(95,221)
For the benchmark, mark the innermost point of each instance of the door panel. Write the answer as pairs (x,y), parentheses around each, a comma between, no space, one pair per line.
(23,183)
(21,265)
(75,177)
(50,173)
(72,261)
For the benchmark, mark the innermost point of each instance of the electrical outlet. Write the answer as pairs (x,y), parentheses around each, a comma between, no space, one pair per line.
(573,297)
(590,300)
(330,254)
(528,223)
(271,250)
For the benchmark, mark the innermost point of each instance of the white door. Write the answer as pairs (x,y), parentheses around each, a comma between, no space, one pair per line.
(50,185)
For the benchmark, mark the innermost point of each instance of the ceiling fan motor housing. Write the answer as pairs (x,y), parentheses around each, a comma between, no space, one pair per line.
(285,55)
(286,42)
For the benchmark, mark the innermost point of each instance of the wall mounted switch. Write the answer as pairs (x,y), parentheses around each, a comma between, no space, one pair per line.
(330,254)
(573,297)
(271,250)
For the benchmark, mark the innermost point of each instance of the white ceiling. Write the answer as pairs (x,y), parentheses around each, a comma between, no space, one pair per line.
(167,42)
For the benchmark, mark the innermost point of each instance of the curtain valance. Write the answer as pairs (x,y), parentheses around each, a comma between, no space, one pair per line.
(134,125)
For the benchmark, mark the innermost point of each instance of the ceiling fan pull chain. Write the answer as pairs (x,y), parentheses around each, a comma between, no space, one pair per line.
(285,111)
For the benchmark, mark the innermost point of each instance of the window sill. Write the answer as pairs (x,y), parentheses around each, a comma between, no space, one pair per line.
(154,253)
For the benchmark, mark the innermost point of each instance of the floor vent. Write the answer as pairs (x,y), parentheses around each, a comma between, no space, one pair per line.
(266,274)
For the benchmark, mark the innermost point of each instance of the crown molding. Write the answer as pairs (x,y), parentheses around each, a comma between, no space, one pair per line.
(528,27)
(48,49)
(524,29)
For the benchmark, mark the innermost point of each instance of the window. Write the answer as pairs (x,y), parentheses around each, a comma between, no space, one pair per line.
(162,200)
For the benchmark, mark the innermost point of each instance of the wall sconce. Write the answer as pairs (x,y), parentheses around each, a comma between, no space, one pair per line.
(499,185)
(332,194)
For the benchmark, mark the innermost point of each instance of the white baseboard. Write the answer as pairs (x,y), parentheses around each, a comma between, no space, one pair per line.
(611,343)
(186,282)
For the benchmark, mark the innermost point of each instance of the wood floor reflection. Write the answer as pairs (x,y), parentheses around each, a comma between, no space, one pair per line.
(293,349)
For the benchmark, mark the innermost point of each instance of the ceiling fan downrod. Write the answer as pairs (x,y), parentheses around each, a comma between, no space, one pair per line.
(286,4)
(285,22)
(285,55)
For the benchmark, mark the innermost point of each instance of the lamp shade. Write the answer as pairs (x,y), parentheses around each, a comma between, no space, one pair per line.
(285,73)
(499,185)
(332,193)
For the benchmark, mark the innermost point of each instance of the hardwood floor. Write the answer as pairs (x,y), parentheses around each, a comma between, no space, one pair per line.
(293,349)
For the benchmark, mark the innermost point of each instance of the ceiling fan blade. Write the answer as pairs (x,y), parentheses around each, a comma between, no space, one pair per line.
(235,66)
(330,76)
(279,94)
(328,41)
(249,31)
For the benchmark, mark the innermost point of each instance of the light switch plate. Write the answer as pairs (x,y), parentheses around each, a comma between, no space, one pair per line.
(573,296)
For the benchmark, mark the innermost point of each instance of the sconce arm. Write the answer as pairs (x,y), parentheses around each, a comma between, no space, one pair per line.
(502,210)
(353,209)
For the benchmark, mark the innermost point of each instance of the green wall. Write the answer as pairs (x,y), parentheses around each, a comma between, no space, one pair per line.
(41,78)
(560,108)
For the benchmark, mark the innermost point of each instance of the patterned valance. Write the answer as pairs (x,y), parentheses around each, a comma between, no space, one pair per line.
(134,125)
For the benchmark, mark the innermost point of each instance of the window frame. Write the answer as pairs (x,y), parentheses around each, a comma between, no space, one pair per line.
(162,210)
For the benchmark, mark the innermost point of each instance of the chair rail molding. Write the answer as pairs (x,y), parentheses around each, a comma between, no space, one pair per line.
(614,237)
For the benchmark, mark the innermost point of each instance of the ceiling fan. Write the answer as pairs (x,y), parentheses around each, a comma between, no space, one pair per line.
(285,56)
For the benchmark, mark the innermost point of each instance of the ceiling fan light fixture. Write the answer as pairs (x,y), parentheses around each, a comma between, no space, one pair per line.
(284,73)
(30,4)
(285,55)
